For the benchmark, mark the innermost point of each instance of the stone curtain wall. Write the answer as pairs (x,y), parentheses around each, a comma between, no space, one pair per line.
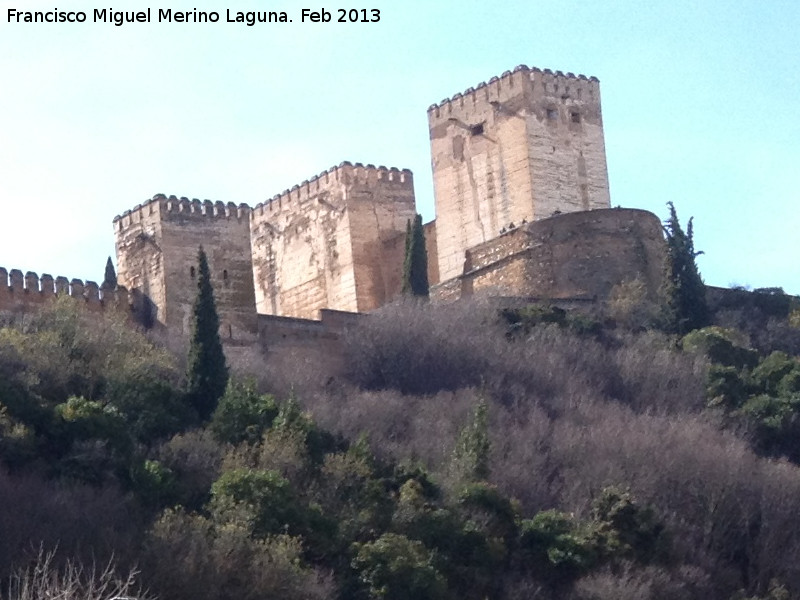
(522,146)
(576,255)
(331,241)
(22,294)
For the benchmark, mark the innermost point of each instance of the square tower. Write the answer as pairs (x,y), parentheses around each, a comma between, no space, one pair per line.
(336,242)
(157,244)
(524,146)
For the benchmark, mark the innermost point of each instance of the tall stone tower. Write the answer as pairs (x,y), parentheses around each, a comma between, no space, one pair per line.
(524,146)
(157,244)
(333,242)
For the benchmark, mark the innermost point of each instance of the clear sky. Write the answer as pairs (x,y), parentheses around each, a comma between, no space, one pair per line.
(700,107)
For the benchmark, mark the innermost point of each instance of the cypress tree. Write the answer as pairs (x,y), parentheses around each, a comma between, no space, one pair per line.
(207,373)
(473,445)
(685,307)
(415,265)
(110,276)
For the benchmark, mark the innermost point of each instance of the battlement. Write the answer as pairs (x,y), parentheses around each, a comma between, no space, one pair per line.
(172,206)
(18,291)
(512,84)
(346,173)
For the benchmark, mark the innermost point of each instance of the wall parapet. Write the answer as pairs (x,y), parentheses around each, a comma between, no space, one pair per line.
(345,173)
(509,84)
(18,290)
(184,207)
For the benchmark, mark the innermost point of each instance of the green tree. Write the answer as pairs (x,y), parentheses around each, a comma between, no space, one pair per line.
(243,415)
(110,277)
(471,455)
(685,307)
(397,568)
(415,266)
(207,373)
(626,529)
(262,500)
(553,545)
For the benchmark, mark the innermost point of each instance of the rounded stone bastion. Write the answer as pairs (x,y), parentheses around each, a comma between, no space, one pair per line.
(578,255)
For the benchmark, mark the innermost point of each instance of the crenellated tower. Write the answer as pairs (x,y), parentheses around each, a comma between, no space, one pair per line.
(335,241)
(521,147)
(157,244)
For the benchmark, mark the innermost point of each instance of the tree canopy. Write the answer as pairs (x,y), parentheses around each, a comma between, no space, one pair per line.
(207,372)
(415,266)
(685,308)
(110,276)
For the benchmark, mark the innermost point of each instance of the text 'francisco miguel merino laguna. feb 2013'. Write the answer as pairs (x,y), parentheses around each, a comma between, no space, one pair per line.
(168,15)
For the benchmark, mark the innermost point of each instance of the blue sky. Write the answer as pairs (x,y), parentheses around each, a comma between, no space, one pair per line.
(700,107)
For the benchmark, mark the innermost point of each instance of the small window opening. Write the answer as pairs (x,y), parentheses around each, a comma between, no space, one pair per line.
(476,129)
(230,332)
(225,275)
(552,114)
(575,116)
(191,272)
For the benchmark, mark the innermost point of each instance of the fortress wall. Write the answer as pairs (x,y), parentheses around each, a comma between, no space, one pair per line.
(291,339)
(446,291)
(24,294)
(157,246)
(276,333)
(508,151)
(575,255)
(327,242)
(588,253)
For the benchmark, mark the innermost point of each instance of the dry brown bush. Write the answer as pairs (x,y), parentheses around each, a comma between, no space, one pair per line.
(46,579)
(422,349)
(195,458)
(411,428)
(657,378)
(189,558)
(84,523)
(650,583)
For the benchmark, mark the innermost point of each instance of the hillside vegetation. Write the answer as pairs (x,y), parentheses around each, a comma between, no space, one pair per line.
(464,452)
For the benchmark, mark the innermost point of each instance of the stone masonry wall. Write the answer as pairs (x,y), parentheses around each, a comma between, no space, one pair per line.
(140,262)
(157,246)
(24,294)
(523,146)
(380,202)
(327,243)
(575,255)
(431,246)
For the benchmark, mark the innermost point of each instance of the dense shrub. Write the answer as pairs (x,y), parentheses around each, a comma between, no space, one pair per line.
(81,522)
(421,351)
(457,459)
(190,558)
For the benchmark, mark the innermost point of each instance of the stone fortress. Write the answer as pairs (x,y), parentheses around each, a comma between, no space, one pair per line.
(522,210)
